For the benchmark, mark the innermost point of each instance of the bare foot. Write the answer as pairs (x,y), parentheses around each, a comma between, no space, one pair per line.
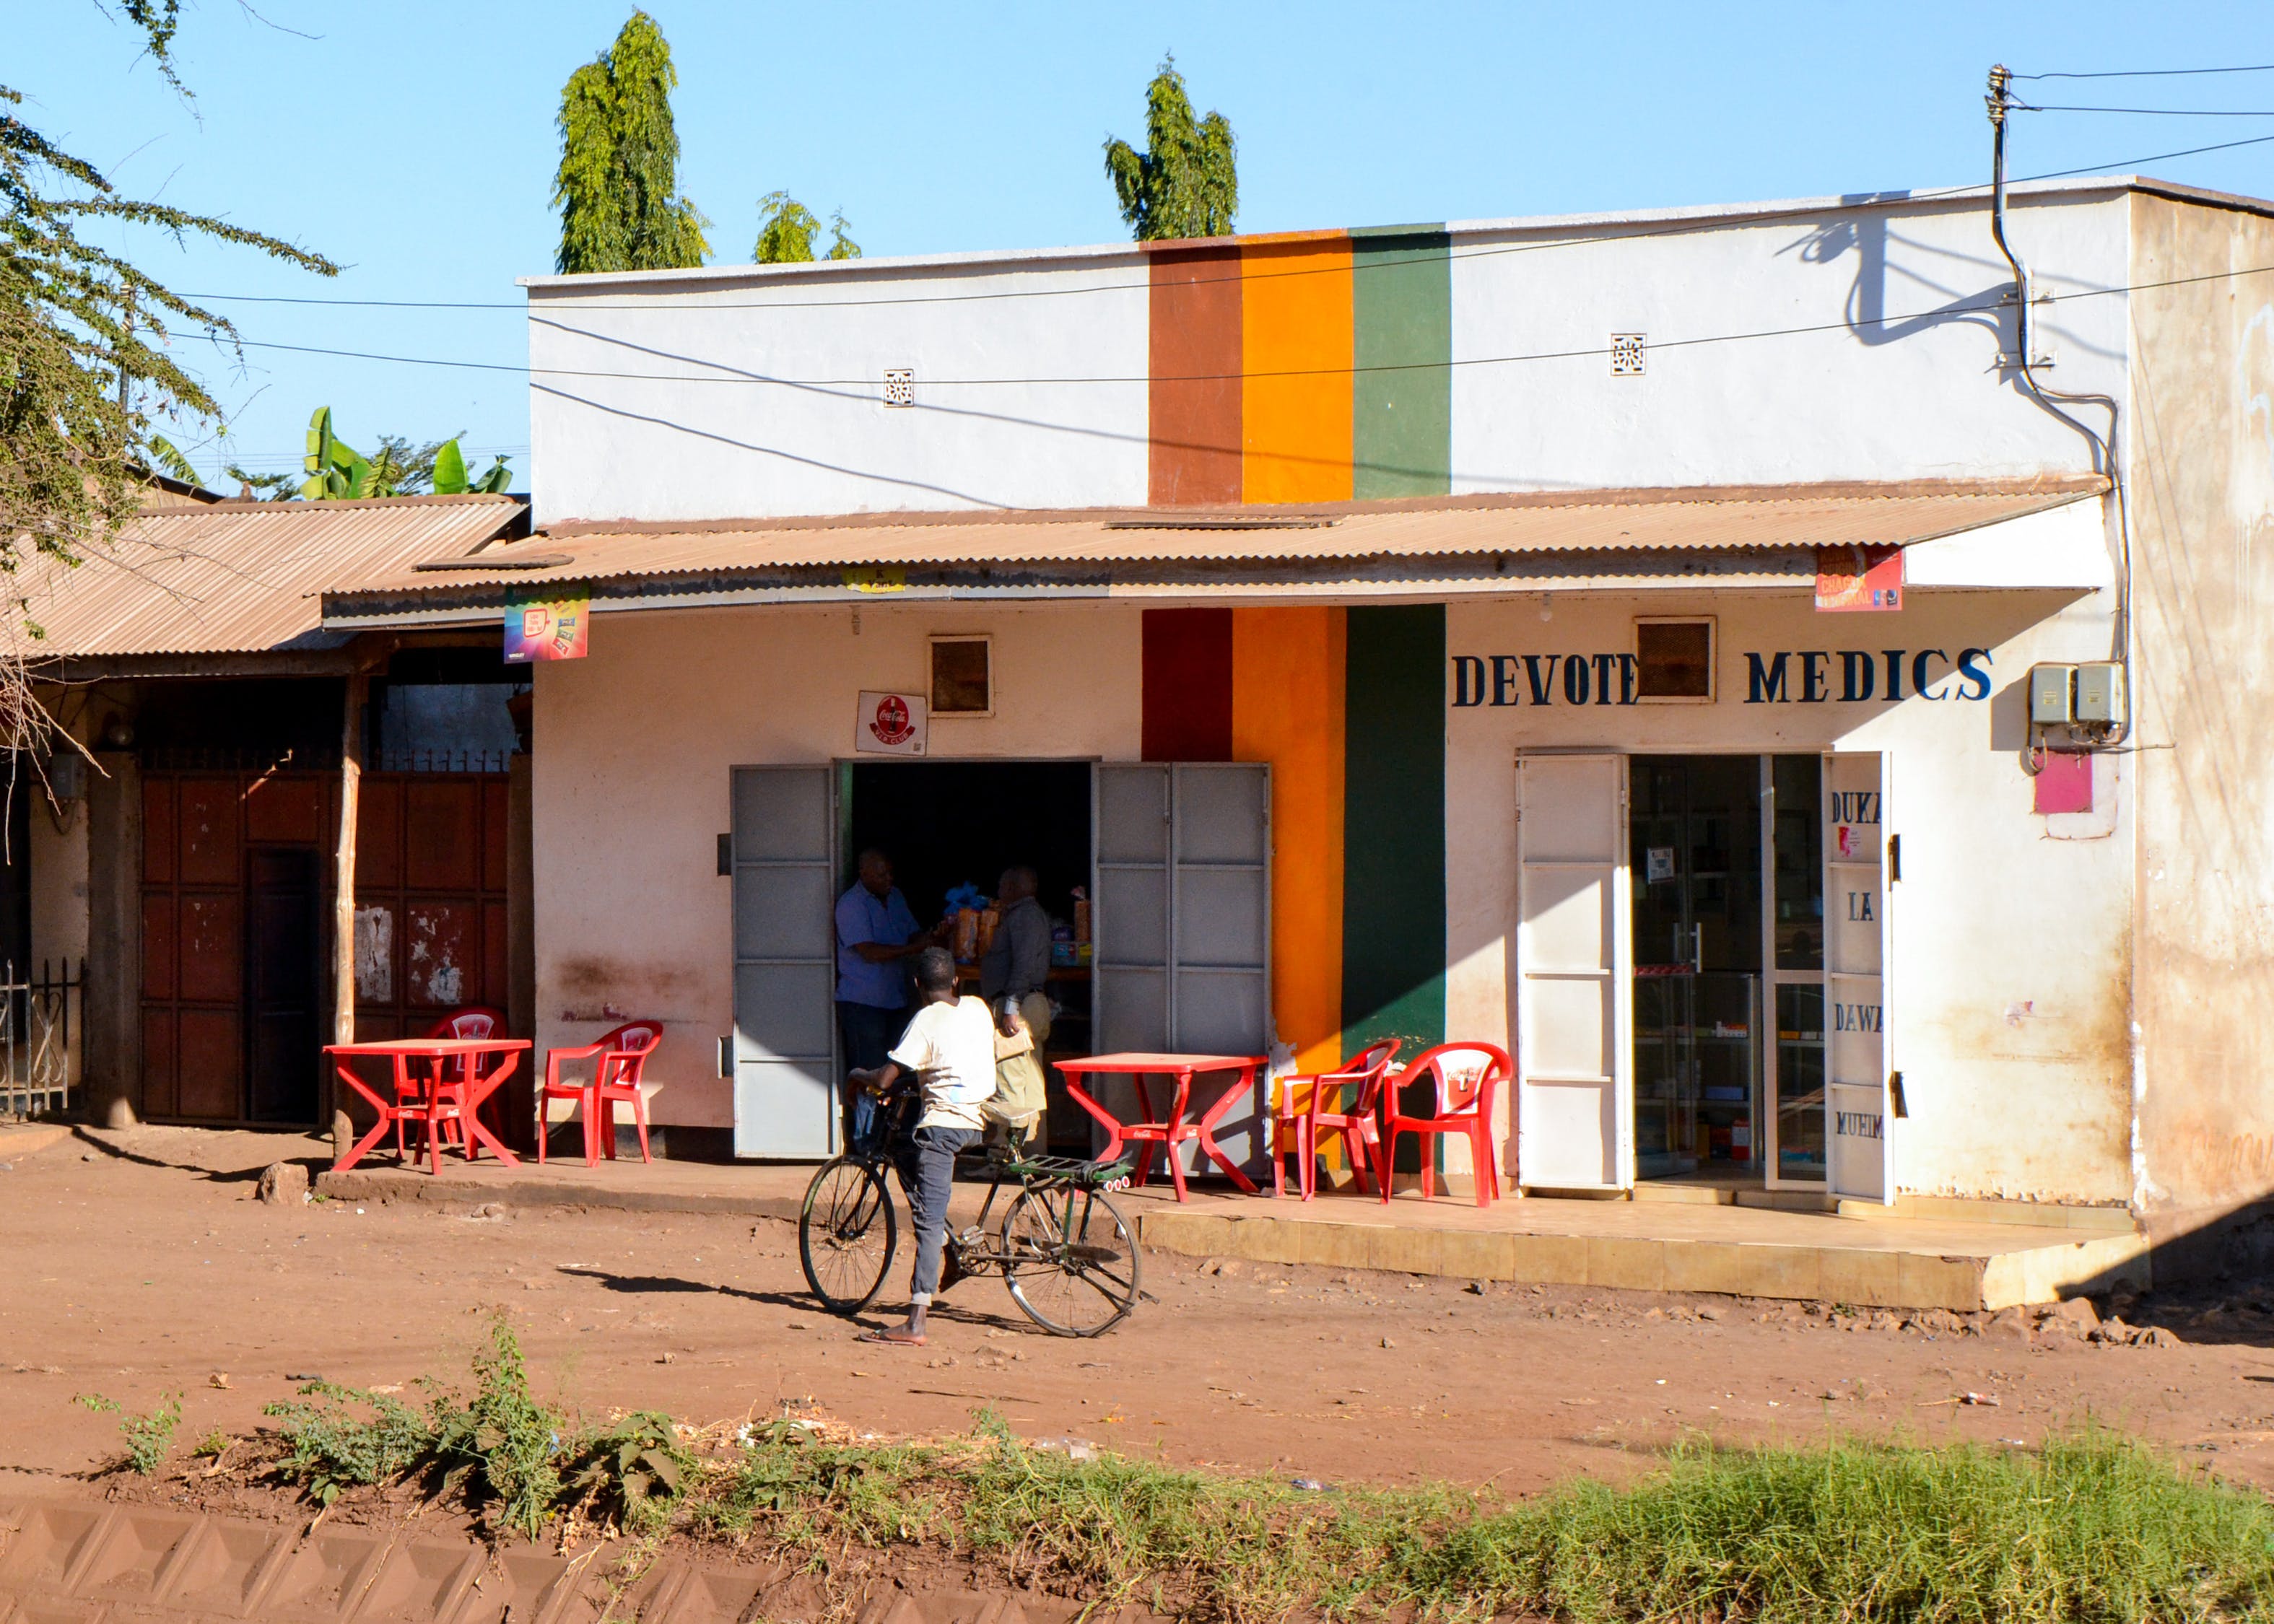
(896,1335)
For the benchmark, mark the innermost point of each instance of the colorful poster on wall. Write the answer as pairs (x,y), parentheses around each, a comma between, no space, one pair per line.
(1849,579)
(889,724)
(552,627)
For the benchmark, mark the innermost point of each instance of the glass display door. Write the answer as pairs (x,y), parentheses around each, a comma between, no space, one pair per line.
(1696,852)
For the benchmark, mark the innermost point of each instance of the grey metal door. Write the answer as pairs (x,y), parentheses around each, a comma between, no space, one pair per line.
(1184,923)
(785,1045)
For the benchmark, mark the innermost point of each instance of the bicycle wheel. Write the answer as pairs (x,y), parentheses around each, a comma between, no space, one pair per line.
(1070,1260)
(846,1234)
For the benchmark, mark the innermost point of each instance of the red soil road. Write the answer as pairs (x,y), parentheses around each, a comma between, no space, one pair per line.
(139,1263)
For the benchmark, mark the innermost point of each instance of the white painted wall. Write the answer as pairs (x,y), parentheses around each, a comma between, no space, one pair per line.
(635,745)
(1915,397)
(2008,997)
(647,400)
(666,445)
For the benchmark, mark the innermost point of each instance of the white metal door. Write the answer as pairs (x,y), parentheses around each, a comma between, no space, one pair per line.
(1574,965)
(785,1047)
(1859,1137)
(1183,920)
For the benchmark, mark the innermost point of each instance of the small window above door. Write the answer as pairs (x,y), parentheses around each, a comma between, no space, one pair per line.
(1674,660)
(962,676)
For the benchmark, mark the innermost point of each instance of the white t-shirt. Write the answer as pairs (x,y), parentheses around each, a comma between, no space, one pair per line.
(950,1048)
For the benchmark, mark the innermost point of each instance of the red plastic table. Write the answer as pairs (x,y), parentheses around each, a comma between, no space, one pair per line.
(429,1099)
(1152,1135)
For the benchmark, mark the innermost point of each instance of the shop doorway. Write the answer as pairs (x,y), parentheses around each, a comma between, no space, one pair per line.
(947,825)
(1694,828)
(1702,983)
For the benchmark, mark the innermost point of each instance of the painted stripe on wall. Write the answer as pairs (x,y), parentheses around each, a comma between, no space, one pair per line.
(1295,351)
(1194,358)
(1394,828)
(1186,706)
(1402,421)
(1287,709)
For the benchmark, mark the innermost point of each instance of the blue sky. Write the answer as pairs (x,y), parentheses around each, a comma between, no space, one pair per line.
(414,142)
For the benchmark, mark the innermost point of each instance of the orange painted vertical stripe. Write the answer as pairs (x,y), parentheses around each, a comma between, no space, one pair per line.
(1295,349)
(1287,709)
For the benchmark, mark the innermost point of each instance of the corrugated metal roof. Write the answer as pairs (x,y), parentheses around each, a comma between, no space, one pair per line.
(1706,520)
(236,576)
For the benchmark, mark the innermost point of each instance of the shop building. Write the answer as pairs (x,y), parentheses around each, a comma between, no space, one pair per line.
(1417,633)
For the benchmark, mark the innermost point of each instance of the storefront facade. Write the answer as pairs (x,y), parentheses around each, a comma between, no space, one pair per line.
(1538,750)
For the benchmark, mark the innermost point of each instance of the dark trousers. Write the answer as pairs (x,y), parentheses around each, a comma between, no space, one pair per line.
(870,1033)
(926,1161)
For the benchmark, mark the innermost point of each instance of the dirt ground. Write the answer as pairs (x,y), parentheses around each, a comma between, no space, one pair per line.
(139,1263)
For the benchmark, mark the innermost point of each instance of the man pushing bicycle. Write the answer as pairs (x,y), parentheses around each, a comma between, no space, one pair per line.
(950,1049)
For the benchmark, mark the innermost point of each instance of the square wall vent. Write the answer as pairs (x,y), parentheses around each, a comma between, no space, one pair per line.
(1627,350)
(899,386)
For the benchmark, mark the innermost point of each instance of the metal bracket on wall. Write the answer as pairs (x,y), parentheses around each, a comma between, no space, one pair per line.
(726,857)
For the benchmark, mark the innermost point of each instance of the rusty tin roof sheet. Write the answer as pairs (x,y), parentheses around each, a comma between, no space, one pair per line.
(1711,519)
(236,576)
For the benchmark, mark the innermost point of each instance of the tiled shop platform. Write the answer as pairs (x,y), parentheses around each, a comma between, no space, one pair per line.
(1956,1255)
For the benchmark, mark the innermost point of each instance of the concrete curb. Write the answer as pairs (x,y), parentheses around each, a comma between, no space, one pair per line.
(523,1189)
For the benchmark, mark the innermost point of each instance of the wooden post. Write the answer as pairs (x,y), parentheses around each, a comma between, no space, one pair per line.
(343,902)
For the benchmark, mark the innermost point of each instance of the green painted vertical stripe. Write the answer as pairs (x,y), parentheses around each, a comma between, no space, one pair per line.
(1401,319)
(1394,828)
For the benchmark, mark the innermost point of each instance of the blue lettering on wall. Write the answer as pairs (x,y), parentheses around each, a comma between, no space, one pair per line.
(1858,1124)
(1780,677)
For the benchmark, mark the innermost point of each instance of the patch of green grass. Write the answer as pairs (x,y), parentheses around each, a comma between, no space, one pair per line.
(149,1436)
(2093,1528)
(2096,1527)
(518,1458)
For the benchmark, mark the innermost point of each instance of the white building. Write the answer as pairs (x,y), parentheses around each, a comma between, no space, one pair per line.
(1417,633)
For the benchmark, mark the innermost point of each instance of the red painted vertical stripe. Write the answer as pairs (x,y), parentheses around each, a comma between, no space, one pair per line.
(1187,685)
(1194,357)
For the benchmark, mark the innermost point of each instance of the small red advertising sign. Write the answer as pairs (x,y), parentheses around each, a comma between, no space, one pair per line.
(1859,578)
(546,629)
(889,724)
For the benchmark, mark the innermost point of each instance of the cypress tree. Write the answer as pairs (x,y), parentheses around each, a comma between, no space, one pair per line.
(1186,183)
(618,186)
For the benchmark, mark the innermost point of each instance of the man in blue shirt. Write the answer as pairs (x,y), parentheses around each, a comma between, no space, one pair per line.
(875,933)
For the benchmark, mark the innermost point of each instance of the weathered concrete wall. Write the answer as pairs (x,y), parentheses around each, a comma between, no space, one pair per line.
(2005,1007)
(636,743)
(2201,442)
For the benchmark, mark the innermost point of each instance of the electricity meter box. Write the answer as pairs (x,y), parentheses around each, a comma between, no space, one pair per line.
(2051,695)
(2100,694)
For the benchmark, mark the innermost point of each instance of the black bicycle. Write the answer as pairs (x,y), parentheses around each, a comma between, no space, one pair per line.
(1069,1257)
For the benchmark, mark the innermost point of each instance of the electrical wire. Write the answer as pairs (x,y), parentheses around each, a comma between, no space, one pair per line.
(2152,73)
(725,374)
(1672,229)
(2154,112)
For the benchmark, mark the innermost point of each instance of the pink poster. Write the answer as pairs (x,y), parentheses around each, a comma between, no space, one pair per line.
(546,629)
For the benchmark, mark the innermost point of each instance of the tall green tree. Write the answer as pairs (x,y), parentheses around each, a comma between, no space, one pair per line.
(89,365)
(617,188)
(1187,183)
(787,228)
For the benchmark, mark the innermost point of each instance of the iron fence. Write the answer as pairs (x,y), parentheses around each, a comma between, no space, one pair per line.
(39,1037)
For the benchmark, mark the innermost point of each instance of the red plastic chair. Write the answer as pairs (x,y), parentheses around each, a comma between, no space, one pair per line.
(1464,1077)
(474,1020)
(1297,1127)
(622,1056)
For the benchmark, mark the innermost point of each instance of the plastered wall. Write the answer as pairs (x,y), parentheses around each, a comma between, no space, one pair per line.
(634,748)
(2201,443)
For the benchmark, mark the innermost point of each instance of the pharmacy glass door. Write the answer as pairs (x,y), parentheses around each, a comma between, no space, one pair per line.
(1695,837)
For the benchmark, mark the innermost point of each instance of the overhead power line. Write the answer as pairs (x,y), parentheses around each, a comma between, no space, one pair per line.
(2155,112)
(1672,229)
(724,374)
(2153,72)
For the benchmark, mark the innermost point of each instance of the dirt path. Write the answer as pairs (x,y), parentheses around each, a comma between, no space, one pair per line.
(141,1264)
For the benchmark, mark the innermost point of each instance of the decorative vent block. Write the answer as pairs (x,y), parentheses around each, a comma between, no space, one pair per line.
(1627,350)
(899,386)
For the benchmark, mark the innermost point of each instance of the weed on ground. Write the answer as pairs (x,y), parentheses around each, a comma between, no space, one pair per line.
(2093,1528)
